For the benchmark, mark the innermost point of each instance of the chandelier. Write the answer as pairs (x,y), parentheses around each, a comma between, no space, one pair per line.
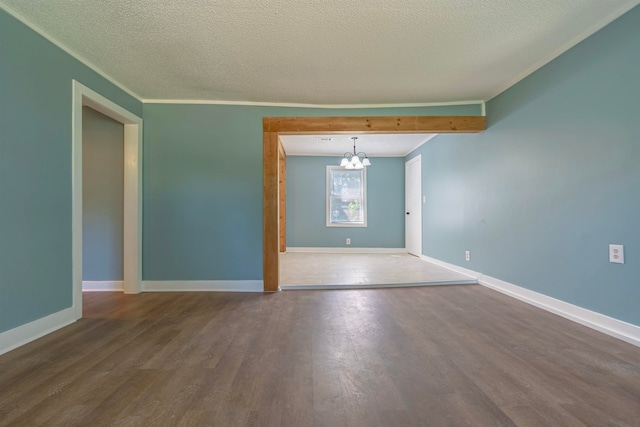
(352,160)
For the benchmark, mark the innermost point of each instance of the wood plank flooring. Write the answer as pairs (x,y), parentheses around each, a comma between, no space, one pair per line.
(427,356)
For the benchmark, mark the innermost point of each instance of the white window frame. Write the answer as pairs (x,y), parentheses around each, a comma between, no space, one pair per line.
(328,199)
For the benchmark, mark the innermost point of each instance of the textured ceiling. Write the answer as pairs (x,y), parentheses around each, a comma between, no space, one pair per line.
(318,51)
(382,145)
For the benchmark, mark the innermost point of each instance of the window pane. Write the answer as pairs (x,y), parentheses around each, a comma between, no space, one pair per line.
(346,196)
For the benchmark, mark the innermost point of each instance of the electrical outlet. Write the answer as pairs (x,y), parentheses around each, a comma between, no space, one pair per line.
(348,240)
(616,254)
(467,255)
(424,199)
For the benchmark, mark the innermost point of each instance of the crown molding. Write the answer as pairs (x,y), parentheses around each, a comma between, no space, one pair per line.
(301,105)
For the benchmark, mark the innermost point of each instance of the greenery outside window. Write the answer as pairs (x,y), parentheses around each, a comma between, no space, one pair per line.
(346,197)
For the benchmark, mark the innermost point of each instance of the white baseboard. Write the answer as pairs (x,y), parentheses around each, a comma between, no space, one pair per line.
(102,286)
(600,322)
(452,267)
(349,250)
(16,337)
(203,285)
(608,325)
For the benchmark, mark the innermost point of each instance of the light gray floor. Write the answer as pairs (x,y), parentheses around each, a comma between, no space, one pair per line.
(302,270)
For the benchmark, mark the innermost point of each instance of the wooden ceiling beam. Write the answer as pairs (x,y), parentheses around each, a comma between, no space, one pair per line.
(376,124)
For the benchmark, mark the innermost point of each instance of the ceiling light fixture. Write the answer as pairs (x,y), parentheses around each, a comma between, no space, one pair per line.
(352,161)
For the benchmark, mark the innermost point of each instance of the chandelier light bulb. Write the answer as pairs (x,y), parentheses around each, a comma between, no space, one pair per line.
(352,161)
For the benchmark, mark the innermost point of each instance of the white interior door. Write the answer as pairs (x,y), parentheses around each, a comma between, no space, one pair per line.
(413,205)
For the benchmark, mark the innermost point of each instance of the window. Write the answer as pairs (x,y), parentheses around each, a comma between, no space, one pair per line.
(346,197)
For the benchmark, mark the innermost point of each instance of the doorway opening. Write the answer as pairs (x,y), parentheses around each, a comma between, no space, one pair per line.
(274,127)
(102,202)
(132,206)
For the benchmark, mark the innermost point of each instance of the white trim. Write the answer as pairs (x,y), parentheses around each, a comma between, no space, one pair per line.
(102,286)
(591,319)
(302,105)
(417,159)
(414,159)
(377,286)
(606,20)
(452,267)
(600,322)
(23,334)
(68,51)
(320,250)
(327,195)
(484,109)
(203,285)
(132,250)
(83,96)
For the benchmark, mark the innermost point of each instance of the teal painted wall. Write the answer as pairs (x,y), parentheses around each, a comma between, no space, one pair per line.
(35,171)
(203,186)
(555,179)
(102,197)
(306,205)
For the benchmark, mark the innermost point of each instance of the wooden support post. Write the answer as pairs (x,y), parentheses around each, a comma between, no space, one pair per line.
(270,211)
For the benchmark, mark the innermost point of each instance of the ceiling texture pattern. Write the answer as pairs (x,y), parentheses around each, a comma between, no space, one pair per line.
(318,51)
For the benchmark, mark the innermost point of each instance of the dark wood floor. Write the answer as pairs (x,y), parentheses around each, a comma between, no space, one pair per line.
(437,356)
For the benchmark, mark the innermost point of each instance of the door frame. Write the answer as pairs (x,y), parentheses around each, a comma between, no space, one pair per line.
(273,127)
(132,250)
(282,196)
(417,159)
